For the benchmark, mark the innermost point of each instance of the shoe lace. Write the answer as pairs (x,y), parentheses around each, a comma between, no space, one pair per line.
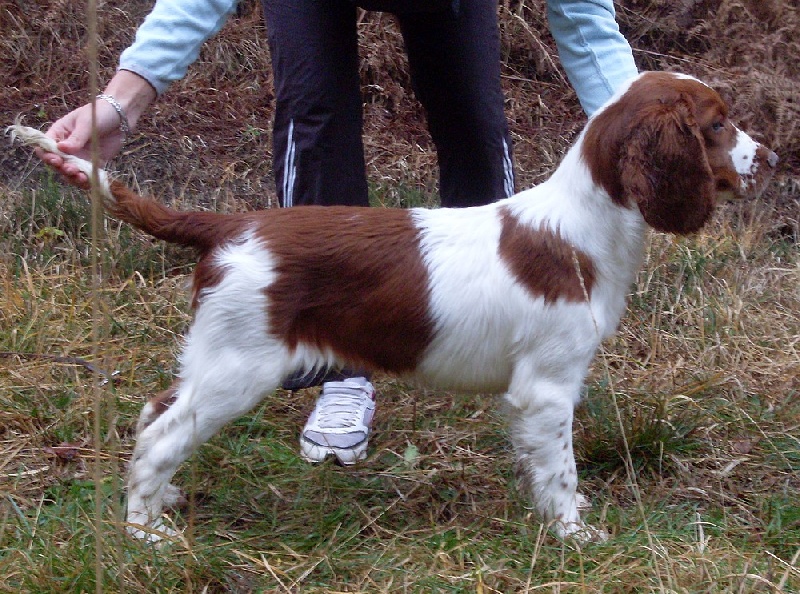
(339,407)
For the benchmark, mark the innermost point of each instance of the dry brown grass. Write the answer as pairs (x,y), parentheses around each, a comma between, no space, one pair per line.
(699,481)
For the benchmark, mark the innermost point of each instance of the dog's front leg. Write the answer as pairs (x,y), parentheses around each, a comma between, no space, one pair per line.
(540,419)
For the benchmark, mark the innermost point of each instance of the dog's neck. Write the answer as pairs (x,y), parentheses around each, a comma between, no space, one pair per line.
(572,203)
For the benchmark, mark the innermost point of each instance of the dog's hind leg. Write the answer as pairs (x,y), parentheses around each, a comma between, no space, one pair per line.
(155,407)
(540,417)
(202,403)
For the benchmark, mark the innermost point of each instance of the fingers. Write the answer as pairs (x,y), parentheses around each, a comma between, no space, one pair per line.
(51,159)
(70,173)
(72,134)
(70,137)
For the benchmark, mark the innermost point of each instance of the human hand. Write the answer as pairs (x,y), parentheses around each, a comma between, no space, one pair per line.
(73,134)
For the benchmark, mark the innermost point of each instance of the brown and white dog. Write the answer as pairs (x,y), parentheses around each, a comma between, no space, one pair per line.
(513,297)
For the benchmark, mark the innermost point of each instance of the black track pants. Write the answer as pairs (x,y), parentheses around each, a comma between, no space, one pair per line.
(455,68)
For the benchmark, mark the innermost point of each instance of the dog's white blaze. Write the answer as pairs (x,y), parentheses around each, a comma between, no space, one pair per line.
(743,155)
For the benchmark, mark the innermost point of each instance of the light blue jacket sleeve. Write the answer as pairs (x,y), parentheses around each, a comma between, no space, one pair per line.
(596,56)
(169,39)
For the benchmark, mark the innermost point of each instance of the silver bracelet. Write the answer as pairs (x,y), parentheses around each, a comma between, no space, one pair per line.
(124,126)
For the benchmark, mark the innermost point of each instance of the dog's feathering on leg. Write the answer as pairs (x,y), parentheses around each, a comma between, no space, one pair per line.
(512,297)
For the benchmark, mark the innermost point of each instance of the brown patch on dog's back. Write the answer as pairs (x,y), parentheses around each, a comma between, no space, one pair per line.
(352,280)
(543,262)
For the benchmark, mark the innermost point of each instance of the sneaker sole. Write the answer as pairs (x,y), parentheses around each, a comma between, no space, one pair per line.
(315,453)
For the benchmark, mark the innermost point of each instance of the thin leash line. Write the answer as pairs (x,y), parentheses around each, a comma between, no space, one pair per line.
(628,458)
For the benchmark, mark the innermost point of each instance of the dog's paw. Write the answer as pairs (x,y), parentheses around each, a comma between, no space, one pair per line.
(174,498)
(582,502)
(579,532)
(157,534)
(590,534)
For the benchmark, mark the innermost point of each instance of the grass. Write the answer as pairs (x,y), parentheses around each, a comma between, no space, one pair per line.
(687,441)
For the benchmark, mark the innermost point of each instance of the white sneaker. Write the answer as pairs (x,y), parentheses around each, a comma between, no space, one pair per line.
(340,423)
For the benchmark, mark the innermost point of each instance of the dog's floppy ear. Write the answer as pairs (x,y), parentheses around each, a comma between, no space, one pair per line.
(665,171)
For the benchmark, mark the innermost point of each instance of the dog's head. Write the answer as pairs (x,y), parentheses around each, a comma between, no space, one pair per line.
(665,145)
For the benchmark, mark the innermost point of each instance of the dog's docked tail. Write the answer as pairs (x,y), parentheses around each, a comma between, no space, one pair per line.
(191,229)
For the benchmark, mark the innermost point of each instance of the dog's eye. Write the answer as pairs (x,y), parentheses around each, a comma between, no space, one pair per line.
(718,126)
